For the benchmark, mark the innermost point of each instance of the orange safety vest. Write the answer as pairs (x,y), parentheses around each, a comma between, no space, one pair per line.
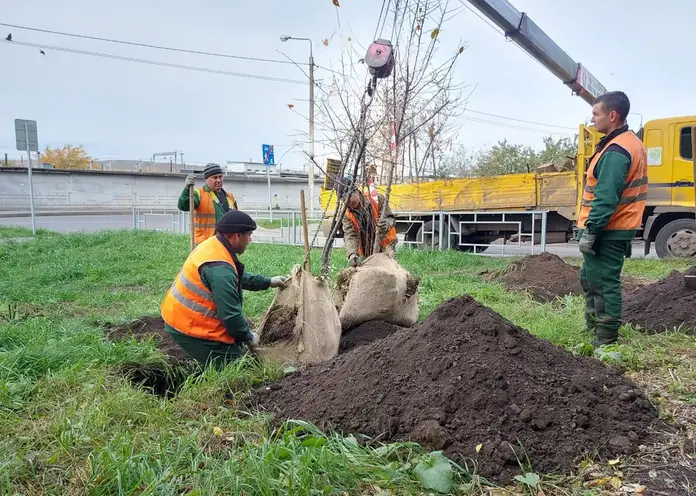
(391,234)
(204,216)
(189,306)
(629,211)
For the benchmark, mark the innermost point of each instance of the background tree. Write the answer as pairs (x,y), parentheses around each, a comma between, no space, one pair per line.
(67,157)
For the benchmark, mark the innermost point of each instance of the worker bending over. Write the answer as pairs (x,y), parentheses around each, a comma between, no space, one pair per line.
(210,202)
(612,207)
(362,223)
(202,310)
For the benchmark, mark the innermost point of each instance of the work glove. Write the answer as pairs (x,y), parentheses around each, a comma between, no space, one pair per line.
(586,243)
(279,281)
(353,260)
(383,226)
(255,340)
(190,180)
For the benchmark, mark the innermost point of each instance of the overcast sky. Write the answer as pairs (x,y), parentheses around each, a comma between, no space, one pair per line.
(120,109)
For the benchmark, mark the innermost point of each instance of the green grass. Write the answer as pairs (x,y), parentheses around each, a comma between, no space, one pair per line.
(18,232)
(71,424)
(278,223)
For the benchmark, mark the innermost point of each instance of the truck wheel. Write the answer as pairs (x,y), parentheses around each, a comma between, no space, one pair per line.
(677,239)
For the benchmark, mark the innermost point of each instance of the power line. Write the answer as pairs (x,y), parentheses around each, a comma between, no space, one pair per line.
(512,126)
(147,45)
(155,62)
(519,120)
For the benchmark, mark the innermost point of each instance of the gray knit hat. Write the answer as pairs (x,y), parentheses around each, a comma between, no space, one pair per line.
(212,170)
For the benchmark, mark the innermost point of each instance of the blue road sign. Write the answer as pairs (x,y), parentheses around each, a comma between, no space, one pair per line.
(268,157)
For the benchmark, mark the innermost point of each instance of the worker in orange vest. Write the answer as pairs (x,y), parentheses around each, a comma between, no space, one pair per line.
(362,223)
(613,201)
(202,310)
(211,202)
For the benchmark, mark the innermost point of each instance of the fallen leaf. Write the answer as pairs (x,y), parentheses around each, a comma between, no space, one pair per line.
(614,462)
(640,489)
(434,34)
(335,2)
(615,482)
(478,448)
(652,474)
(541,493)
(598,482)
(217,431)
(326,42)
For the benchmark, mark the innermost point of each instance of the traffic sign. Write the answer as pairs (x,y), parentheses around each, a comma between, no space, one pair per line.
(268,157)
(26,130)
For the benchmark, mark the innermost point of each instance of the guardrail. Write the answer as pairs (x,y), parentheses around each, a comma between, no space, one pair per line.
(433,228)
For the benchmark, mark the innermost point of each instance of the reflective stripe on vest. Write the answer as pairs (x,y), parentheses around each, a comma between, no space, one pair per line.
(391,234)
(629,211)
(189,306)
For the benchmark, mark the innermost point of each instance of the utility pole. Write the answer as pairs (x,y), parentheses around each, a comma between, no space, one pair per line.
(310,167)
(311,130)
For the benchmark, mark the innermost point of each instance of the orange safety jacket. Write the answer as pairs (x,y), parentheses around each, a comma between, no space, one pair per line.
(384,242)
(204,216)
(189,306)
(629,211)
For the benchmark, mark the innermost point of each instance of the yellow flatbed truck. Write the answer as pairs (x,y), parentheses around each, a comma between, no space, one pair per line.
(668,221)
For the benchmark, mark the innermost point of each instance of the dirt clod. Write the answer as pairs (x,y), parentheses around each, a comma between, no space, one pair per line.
(366,334)
(464,377)
(663,305)
(162,380)
(279,325)
(412,283)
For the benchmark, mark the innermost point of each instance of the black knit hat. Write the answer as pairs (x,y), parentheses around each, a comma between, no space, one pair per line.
(235,221)
(212,170)
(345,186)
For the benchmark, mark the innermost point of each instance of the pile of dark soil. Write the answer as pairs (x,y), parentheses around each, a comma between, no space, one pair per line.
(160,380)
(366,334)
(663,305)
(279,325)
(546,277)
(464,377)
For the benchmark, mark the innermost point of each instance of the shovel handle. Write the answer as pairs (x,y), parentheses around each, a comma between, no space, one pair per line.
(192,208)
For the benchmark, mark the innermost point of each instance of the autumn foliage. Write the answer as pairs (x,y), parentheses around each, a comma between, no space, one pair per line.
(67,157)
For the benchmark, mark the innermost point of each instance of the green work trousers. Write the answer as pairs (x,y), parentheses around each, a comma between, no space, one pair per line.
(207,352)
(600,278)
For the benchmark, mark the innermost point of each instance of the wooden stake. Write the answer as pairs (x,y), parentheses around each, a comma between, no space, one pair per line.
(305,232)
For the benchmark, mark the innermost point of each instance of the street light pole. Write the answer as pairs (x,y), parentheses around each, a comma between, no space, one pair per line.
(310,170)
(310,167)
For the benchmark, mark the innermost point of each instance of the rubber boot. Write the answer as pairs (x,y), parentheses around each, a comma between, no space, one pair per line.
(605,336)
